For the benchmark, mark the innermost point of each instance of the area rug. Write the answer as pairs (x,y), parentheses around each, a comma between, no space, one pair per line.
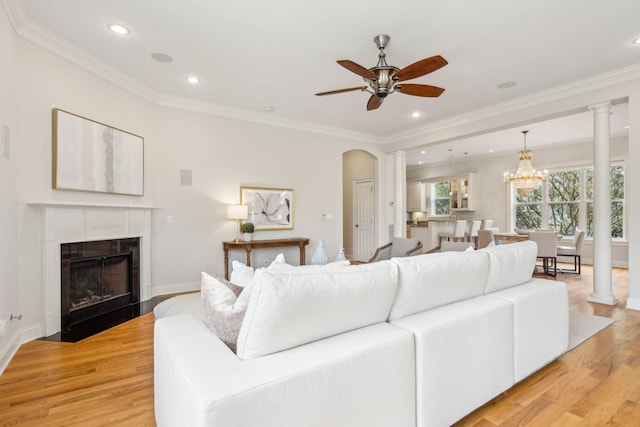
(583,326)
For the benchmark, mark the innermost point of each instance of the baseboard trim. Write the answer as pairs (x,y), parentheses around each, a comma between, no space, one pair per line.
(8,351)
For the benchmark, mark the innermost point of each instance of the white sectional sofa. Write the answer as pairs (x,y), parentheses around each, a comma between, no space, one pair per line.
(416,341)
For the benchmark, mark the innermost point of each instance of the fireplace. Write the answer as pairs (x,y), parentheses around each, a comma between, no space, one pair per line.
(100,285)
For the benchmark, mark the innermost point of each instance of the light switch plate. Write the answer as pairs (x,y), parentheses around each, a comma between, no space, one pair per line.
(6,143)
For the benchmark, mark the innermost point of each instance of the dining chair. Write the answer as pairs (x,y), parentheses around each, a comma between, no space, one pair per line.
(547,242)
(573,250)
(486,223)
(471,234)
(459,227)
(485,238)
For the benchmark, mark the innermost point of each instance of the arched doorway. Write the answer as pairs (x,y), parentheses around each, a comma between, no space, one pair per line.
(358,206)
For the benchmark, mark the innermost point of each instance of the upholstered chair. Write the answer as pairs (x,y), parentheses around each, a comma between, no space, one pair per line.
(486,223)
(485,238)
(573,250)
(398,247)
(547,242)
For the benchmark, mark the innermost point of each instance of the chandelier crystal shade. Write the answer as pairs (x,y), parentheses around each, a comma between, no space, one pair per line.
(526,178)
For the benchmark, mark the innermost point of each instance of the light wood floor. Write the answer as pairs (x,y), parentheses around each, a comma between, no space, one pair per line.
(108,379)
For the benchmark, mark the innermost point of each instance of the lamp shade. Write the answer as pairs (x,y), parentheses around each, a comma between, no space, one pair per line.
(237,212)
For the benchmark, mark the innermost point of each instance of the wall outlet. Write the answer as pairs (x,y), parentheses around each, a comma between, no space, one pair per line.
(169,219)
(3,327)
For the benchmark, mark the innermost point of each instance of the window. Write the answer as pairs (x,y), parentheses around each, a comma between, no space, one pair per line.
(440,198)
(565,202)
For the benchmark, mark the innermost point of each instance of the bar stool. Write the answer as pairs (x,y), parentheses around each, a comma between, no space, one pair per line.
(459,227)
(471,234)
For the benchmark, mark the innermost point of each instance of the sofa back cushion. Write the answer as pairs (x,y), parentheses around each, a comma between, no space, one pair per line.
(510,264)
(292,306)
(432,280)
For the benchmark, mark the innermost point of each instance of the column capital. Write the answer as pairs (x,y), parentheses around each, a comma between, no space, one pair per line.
(601,107)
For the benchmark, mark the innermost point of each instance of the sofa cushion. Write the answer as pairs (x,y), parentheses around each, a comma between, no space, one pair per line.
(223,310)
(289,307)
(431,280)
(510,265)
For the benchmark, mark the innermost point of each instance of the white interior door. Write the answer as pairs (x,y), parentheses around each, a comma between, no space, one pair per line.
(363,219)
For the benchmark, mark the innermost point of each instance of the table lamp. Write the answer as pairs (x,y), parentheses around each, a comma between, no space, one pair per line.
(237,212)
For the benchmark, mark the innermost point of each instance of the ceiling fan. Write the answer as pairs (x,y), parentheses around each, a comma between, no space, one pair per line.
(384,79)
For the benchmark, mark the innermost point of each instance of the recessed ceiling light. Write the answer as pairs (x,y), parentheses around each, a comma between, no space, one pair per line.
(491,150)
(119,29)
(626,127)
(268,109)
(423,152)
(637,41)
(416,114)
(419,163)
(193,80)
(507,85)
(161,57)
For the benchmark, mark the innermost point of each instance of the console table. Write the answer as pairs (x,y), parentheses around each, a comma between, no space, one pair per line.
(300,242)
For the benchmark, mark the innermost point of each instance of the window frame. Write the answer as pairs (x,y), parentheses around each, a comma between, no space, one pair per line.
(582,203)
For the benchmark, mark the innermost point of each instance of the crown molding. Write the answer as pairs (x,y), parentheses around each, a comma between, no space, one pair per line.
(600,81)
(260,118)
(49,41)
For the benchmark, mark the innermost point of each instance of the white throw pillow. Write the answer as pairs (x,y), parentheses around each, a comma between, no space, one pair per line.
(223,311)
(289,307)
(241,274)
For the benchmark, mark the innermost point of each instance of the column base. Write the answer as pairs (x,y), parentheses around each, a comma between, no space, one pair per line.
(608,300)
(633,303)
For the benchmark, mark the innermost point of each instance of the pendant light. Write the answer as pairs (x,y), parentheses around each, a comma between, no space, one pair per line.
(526,178)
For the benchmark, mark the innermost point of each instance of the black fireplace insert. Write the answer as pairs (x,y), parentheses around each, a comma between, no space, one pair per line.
(100,286)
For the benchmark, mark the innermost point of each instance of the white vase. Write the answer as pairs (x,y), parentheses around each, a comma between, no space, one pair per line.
(248,237)
(341,256)
(320,256)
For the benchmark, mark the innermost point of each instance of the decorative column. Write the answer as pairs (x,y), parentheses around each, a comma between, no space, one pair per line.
(400,194)
(602,276)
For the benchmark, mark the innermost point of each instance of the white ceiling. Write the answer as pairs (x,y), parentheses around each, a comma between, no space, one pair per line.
(255,54)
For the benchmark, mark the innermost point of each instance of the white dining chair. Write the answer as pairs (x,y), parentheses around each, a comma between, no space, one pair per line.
(547,242)
(574,249)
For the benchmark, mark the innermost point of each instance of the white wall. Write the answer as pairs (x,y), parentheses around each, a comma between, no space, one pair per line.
(223,154)
(9,289)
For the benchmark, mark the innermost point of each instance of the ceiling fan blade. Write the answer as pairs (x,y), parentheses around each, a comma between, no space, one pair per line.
(332,92)
(420,68)
(373,103)
(419,90)
(358,69)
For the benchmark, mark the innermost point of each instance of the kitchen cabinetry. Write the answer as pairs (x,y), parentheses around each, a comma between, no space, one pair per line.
(460,198)
(416,197)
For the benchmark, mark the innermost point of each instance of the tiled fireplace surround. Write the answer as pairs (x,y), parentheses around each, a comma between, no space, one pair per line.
(67,223)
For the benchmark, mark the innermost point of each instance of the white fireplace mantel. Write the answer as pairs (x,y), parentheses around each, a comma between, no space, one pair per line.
(74,222)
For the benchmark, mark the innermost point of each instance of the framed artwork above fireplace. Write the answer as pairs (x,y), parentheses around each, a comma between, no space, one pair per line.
(92,156)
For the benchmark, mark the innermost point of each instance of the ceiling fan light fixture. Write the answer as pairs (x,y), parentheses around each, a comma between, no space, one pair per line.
(526,178)
(384,79)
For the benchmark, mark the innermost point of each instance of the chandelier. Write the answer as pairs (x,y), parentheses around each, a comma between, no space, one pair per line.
(526,178)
